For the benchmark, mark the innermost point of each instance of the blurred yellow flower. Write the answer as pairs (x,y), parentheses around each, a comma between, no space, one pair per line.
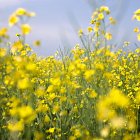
(37,43)
(100,16)
(112,20)
(23,83)
(16,126)
(38,135)
(26,113)
(118,122)
(108,36)
(80,32)
(3,32)
(136,30)
(47,119)
(105,9)
(20,12)
(92,94)
(90,29)
(51,130)
(89,74)
(31,14)
(13,20)
(25,29)
(137,15)
(105,132)
(138,37)
(3,52)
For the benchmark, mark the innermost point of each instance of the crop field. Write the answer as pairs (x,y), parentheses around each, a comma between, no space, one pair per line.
(91,92)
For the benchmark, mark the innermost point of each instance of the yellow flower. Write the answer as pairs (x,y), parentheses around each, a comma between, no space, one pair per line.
(105,132)
(92,21)
(118,122)
(99,66)
(47,119)
(40,91)
(63,113)
(118,98)
(138,37)
(108,36)
(23,83)
(38,135)
(13,20)
(90,29)
(50,88)
(77,133)
(37,43)
(26,113)
(100,16)
(30,66)
(25,29)
(126,43)
(93,94)
(52,96)
(72,138)
(13,111)
(55,81)
(112,20)
(120,83)
(56,109)
(30,14)
(89,74)
(3,31)
(20,12)
(2,52)
(96,28)
(105,9)
(51,130)
(137,15)
(138,97)
(16,126)
(136,30)
(80,32)
(17,47)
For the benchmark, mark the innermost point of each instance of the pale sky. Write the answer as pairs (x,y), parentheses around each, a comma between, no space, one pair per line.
(55,20)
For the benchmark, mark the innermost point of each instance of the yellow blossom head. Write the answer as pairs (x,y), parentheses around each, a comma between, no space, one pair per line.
(13,20)
(25,29)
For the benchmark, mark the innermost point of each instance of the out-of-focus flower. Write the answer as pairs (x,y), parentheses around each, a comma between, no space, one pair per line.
(20,12)
(138,37)
(80,32)
(108,36)
(37,43)
(16,126)
(136,30)
(112,20)
(13,20)
(3,32)
(90,29)
(137,15)
(25,29)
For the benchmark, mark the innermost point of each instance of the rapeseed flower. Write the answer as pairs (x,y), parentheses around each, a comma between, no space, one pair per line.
(20,12)
(90,93)
(13,20)
(25,29)
(16,126)
(3,32)
(108,36)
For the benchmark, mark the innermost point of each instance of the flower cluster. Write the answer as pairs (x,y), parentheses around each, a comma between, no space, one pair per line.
(92,93)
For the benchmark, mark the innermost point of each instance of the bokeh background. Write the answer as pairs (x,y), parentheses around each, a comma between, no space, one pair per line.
(57,21)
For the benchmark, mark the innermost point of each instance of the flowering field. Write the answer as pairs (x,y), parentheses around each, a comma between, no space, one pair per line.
(90,93)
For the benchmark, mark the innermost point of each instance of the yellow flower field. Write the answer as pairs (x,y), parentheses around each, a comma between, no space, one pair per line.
(91,93)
